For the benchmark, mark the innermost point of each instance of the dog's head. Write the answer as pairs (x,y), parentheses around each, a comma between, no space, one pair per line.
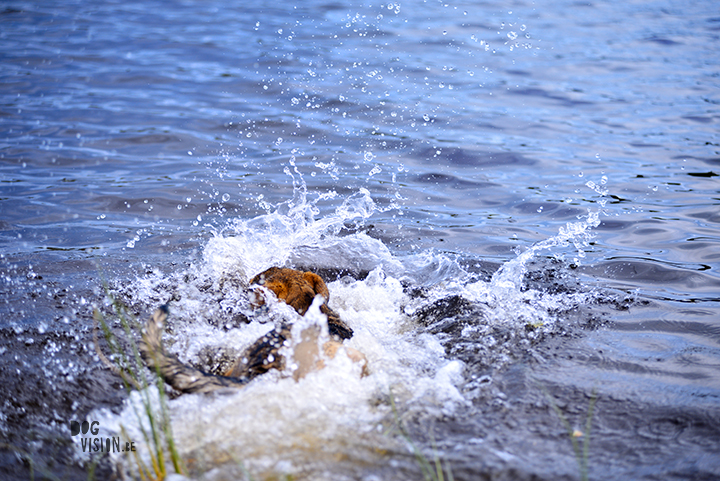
(298,289)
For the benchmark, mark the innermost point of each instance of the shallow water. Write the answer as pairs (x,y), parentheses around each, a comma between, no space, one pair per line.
(512,203)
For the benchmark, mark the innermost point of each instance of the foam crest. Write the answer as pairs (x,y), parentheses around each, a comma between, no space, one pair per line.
(294,233)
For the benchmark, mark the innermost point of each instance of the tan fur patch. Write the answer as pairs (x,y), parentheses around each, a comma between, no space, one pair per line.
(298,289)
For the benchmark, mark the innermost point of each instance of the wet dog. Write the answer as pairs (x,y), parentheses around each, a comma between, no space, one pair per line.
(297,289)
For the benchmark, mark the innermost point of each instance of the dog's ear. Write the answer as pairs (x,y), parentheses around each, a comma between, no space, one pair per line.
(318,285)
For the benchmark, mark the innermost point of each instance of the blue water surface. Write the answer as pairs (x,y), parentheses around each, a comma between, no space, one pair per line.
(131,132)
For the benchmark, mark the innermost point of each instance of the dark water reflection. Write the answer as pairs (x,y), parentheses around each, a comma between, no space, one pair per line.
(131,132)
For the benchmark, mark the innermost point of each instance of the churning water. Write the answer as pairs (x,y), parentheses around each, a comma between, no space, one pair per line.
(515,206)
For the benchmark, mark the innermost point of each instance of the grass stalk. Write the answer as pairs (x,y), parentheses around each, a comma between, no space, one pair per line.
(432,471)
(131,369)
(33,466)
(581,453)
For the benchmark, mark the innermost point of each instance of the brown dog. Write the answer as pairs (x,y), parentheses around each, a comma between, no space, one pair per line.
(298,289)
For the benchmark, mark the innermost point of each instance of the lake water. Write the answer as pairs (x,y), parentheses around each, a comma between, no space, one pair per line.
(516,206)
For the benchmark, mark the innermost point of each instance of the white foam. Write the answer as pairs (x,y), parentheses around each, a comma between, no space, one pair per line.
(276,425)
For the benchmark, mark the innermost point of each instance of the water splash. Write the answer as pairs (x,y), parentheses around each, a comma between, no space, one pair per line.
(433,372)
(579,234)
(295,233)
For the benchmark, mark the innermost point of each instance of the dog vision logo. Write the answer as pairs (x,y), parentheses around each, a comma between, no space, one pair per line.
(95,444)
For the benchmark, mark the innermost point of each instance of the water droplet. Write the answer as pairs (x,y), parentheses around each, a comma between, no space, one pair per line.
(225,198)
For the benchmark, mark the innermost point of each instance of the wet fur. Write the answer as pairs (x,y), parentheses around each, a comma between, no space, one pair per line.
(296,288)
(299,289)
(182,377)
